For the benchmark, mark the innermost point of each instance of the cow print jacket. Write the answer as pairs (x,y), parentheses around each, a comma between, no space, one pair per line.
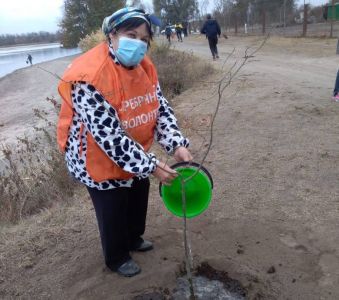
(89,110)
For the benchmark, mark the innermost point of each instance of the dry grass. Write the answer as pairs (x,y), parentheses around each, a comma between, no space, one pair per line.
(35,175)
(177,71)
(91,40)
(311,47)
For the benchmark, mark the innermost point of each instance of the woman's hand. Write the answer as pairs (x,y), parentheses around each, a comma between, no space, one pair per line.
(182,154)
(164,173)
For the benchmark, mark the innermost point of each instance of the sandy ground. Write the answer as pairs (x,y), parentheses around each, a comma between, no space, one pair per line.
(274,162)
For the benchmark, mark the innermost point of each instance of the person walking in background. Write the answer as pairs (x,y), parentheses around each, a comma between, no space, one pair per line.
(212,30)
(336,89)
(106,134)
(29,59)
(178,30)
(168,32)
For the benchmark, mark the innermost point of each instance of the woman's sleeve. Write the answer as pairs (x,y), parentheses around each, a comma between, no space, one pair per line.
(167,131)
(102,121)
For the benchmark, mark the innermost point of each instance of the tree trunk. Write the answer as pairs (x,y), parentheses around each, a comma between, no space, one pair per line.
(305,20)
(236,24)
(263,21)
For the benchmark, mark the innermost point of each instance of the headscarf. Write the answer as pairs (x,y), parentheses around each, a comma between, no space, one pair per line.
(125,13)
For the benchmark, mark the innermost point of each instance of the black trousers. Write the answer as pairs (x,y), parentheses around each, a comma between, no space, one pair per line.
(121,215)
(212,42)
(336,85)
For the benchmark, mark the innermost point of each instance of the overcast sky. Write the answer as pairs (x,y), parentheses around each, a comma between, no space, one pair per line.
(22,16)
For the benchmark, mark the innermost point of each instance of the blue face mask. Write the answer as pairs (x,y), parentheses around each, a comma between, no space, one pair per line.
(130,52)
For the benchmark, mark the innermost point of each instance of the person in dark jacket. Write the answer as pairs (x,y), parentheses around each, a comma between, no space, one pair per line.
(29,59)
(212,30)
(168,32)
(178,30)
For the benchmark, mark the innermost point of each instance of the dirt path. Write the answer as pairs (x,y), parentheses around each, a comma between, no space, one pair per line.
(275,164)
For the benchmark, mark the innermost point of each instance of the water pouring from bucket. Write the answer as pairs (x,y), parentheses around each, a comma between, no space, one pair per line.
(197,189)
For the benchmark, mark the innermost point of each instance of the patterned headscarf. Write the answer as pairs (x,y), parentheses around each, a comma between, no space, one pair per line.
(122,15)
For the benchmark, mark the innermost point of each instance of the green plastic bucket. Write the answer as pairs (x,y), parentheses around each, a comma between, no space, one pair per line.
(198,190)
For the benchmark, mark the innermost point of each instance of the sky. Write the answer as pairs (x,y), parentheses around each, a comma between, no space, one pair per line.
(22,16)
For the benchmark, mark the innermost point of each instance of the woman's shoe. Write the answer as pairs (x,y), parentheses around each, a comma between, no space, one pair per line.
(129,269)
(336,98)
(143,246)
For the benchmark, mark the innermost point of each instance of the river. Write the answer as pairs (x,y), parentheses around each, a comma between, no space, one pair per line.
(14,57)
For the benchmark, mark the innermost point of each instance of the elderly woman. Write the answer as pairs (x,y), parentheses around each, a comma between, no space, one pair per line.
(111,111)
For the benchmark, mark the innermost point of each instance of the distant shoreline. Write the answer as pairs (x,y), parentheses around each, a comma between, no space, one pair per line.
(30,44)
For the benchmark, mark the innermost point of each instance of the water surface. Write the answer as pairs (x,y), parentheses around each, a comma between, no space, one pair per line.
(15,57)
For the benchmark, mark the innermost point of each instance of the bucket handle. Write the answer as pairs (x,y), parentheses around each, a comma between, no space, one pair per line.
(186,164)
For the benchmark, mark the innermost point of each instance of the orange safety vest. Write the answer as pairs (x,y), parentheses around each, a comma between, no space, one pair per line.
(132,93)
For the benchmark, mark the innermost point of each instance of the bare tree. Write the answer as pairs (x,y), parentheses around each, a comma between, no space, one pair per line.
(203,7)
(175,10)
